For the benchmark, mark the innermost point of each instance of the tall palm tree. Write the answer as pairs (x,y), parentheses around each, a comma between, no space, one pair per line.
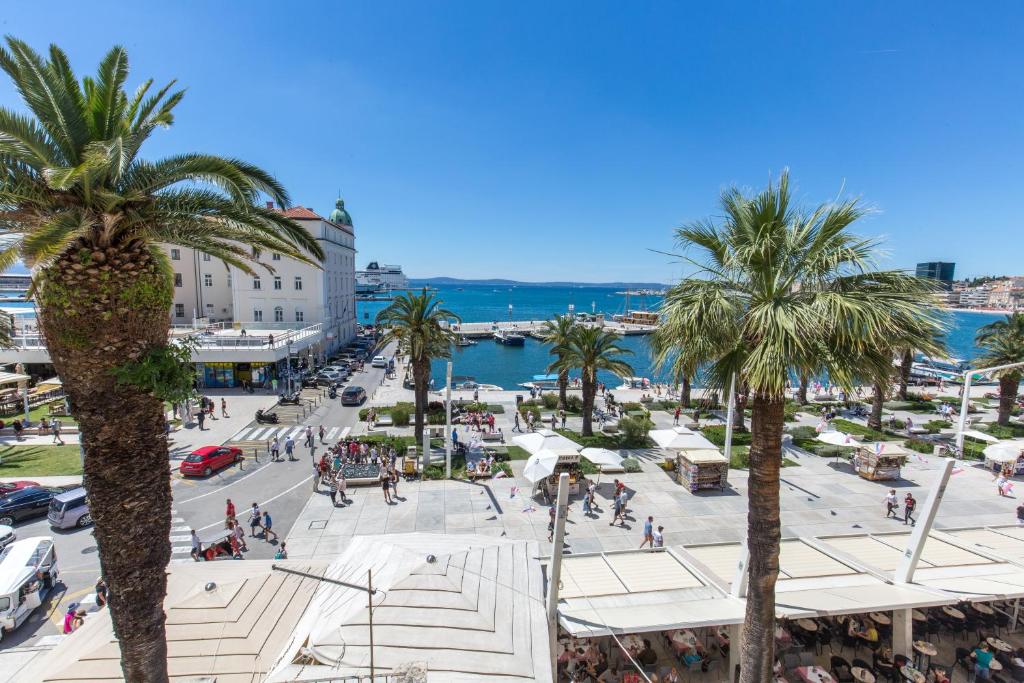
(1002,343)
(682,362)
(415,322)
(557,333)
(906,362)
(773,282)
(591,349)
(86,212)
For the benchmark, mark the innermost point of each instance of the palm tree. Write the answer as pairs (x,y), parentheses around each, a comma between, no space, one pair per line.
(557,332)
(774,282)
(682,363)
(415,322)
(591,349)
(86,212)
(1002,343)
(906,362)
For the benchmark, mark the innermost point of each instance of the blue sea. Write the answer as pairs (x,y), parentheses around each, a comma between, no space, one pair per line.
(491,363)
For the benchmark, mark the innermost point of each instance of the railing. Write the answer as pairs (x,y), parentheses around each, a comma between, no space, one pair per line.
(208,338)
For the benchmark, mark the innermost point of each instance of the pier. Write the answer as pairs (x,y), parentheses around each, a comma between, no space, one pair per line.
(533,328)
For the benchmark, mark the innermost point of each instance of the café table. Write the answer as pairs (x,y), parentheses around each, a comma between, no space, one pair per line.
(813,674)
(880,618)
(863,675)
(953,612)
(995,665)
(918,615)
(807,625)
(925,649)
(633,642)
(982,608)
(686,638)
(911,674)
(999,644)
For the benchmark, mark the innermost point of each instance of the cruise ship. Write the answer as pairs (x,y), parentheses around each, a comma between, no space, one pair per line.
(380,279)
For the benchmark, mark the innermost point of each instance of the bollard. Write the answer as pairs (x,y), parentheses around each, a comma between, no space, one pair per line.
(256,455)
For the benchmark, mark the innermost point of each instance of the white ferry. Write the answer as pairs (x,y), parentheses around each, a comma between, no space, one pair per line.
(378,278)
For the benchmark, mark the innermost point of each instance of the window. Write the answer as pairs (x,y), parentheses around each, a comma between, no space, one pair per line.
(298,282)
(177,279)
(276,257)
(209,307)
(175,254)
(179,310)
(206,257)
(257,315)
(256,283)
(207,279)
(278,314)
(298,315)
(277,282)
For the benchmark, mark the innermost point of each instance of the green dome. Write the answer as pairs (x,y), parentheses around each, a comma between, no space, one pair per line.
(340,215)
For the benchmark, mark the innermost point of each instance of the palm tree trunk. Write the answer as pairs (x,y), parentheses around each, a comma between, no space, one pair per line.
(738,423)
(877,399)
(801,396)
(589,392)
(684,396)
(420,378)
(100,310)
(1008,387)
(563,385)
(763,532)
(905,363)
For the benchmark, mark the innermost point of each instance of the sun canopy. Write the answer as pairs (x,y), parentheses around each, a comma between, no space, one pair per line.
(545,439)
(1005,451)
(602,456)
(980,436)
(884,448)
(679,438)
(545,378)
(837,438)
(540,465)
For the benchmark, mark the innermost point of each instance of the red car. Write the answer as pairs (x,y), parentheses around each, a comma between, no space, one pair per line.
(203,461)
(11,486)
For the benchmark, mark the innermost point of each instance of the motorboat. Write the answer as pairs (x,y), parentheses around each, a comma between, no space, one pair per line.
(463,342)
(509,338)
(545,382)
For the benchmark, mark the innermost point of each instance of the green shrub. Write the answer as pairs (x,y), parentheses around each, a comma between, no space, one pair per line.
(549,401)
(432,418)
(935,426)
(435,407)
(573,404)
(633,431)
(400,417)
(631,406)
(524,409)
(588,467)
(631,464)
(739,459)
(854,428)
(501,467)
(1001,432)
(435,472)
(920,445)
(716,435)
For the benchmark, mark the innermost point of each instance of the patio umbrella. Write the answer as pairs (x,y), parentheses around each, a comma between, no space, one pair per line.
(1005,451)
(837,438)
(602,456)
(546,440)
(981,436)
(541,464)
(679,438)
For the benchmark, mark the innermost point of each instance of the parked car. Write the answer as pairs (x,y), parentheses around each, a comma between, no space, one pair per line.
(11,486)
(327,378)
(379,362)
(69,510)
(353,396)
(203,461)
(27,503)
(341,369)
(7,536)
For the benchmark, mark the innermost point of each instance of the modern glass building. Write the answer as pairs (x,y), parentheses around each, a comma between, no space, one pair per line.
(937,270)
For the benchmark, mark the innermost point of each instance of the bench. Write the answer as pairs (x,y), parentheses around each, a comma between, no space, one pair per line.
(917,430)
(435,432)
(377,432)
(492,436)
(473,474)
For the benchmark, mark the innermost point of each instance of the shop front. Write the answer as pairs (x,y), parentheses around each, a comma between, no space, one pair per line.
(228,375)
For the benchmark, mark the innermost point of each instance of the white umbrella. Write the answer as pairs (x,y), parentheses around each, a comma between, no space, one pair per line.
(981,436)
(546,440)
(602,456)
(679,438)
(1005,451)
(541,464)
(837,438)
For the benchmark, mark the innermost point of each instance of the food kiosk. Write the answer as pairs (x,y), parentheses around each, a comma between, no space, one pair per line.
(1006,455)
(879,461)
(702,468)
(577,481)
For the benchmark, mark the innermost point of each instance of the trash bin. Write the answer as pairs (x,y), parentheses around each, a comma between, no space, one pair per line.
(519,399)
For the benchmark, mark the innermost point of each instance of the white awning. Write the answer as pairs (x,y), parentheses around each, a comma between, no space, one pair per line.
(678,438)
(545,439)
(1005,451)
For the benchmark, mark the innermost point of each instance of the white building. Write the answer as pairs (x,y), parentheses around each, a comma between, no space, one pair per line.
(202,287)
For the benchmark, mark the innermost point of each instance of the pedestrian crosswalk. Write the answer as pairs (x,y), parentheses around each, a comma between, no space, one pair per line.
(181,539)
(267,433)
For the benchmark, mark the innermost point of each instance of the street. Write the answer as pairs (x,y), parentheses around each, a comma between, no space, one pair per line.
(282,488)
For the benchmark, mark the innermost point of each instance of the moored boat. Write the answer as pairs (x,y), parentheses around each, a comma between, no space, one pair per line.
(509,338)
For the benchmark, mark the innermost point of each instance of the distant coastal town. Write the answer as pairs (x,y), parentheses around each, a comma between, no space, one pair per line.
(988,294)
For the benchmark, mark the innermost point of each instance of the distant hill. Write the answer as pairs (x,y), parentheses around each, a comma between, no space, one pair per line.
(434,281)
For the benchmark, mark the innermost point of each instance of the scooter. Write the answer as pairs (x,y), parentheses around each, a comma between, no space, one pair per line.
(266,418)
(332,392)
(294,398)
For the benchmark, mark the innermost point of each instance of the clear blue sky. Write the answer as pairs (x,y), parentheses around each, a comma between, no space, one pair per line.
(566,140)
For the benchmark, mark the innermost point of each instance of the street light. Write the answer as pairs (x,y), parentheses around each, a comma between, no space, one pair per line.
(965,402)
(290,388)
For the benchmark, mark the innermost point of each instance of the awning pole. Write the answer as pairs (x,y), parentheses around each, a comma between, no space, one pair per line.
(555,568)
(1016,613)
(908,563)
(448,422)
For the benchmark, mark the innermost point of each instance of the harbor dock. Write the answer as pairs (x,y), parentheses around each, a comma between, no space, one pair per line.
(533,328)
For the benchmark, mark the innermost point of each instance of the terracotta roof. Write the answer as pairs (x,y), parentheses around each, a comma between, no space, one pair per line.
(301,212)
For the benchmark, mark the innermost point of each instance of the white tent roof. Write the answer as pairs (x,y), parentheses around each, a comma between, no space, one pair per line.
(679,438)
(981,436)
(473,612)
(545,439)
(12,378)
(602,456)
(1005,451)
(539,465)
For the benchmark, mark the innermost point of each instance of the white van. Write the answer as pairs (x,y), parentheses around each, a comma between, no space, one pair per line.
(28,572)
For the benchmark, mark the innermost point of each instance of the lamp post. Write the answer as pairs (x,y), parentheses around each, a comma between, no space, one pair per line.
(729,414)
(448,422)
(289,367)
(965,402)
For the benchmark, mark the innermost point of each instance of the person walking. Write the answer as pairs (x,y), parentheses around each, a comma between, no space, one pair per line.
(309,436)
(333,489)
(289,447)
(515,423)
(197,546)
(321,432)
(909,504)
(268,525)
(551,523)
(229,510)
(561,414)
(675,416)
(393,474)
(55,427)
(342,486)
(254,519)
(648,532)
(275,449)
(201,417)
(236,531)
(385,485)
(659,538)
(891,505)
(223,407)
(616,511)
